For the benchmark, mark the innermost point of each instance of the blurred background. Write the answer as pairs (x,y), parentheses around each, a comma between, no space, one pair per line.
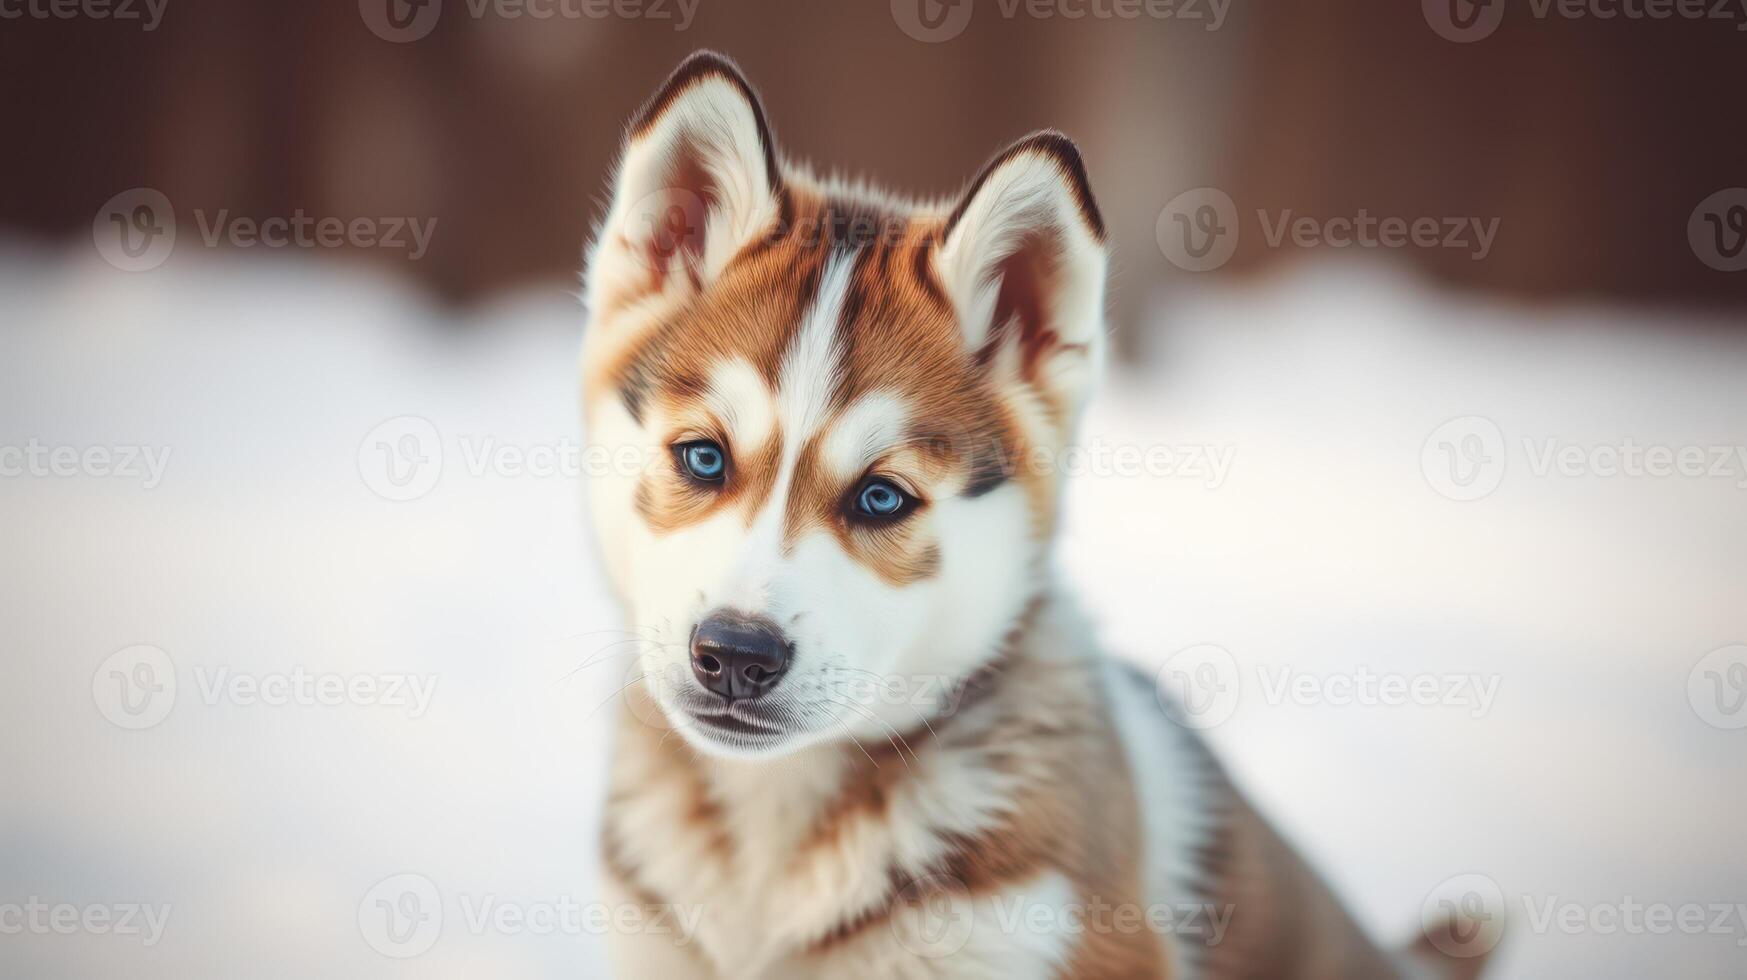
(1436,310)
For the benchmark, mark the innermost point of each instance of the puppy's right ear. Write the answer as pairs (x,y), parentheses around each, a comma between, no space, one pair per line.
(699,179)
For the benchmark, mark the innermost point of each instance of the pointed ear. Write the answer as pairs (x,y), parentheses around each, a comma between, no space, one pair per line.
(1023,263)
(699,179)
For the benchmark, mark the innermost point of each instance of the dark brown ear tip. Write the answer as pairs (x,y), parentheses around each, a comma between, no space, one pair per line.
(1051,141)
(705,61)
(1066,153)
(1057,145)
(699,65)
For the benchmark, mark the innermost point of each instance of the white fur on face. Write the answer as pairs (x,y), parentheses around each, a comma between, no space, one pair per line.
(871,425)
(872,660)
(741,400)
(810,370)
(813,364)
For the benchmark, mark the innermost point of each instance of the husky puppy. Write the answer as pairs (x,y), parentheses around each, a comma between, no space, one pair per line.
(867,733)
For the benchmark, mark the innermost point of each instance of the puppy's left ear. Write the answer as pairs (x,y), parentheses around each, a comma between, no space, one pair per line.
(1023,263)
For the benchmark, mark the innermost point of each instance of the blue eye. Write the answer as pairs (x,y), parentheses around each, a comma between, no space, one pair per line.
(879,498)
(703,461)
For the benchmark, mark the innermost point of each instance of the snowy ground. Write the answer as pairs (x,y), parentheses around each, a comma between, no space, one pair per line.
(1592,778)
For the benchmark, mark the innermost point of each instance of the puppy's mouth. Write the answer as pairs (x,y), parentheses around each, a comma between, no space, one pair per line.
(727,722)
(733,722)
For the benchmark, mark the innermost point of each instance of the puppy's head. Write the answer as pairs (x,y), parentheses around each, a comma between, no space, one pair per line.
(831,418)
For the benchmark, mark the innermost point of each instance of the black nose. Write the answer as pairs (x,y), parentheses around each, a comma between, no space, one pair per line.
(738,656)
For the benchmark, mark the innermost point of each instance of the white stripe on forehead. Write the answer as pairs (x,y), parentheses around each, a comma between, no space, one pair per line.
(811,367)
(813,363)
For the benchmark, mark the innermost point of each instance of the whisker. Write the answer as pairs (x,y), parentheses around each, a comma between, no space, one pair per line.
(857,742)
(578,636)
(894,737)
(917,711)
(638,680)
(601,656)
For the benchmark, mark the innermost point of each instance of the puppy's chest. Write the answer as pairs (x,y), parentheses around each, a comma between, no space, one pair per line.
(745,856)
(770,870)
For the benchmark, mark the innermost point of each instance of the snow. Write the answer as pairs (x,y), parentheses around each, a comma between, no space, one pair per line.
(264,553)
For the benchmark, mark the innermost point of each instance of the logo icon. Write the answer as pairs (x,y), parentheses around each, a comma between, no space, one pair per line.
(932,21)
(401,916)
(933,917)
(1199,687)
(135,687)
(1717,230)
(135,230)
(1464,458)
(1717,687)
(1464,916)
(400,21)
(401,459)
(1463,21)
(669,222)
(1198,229)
